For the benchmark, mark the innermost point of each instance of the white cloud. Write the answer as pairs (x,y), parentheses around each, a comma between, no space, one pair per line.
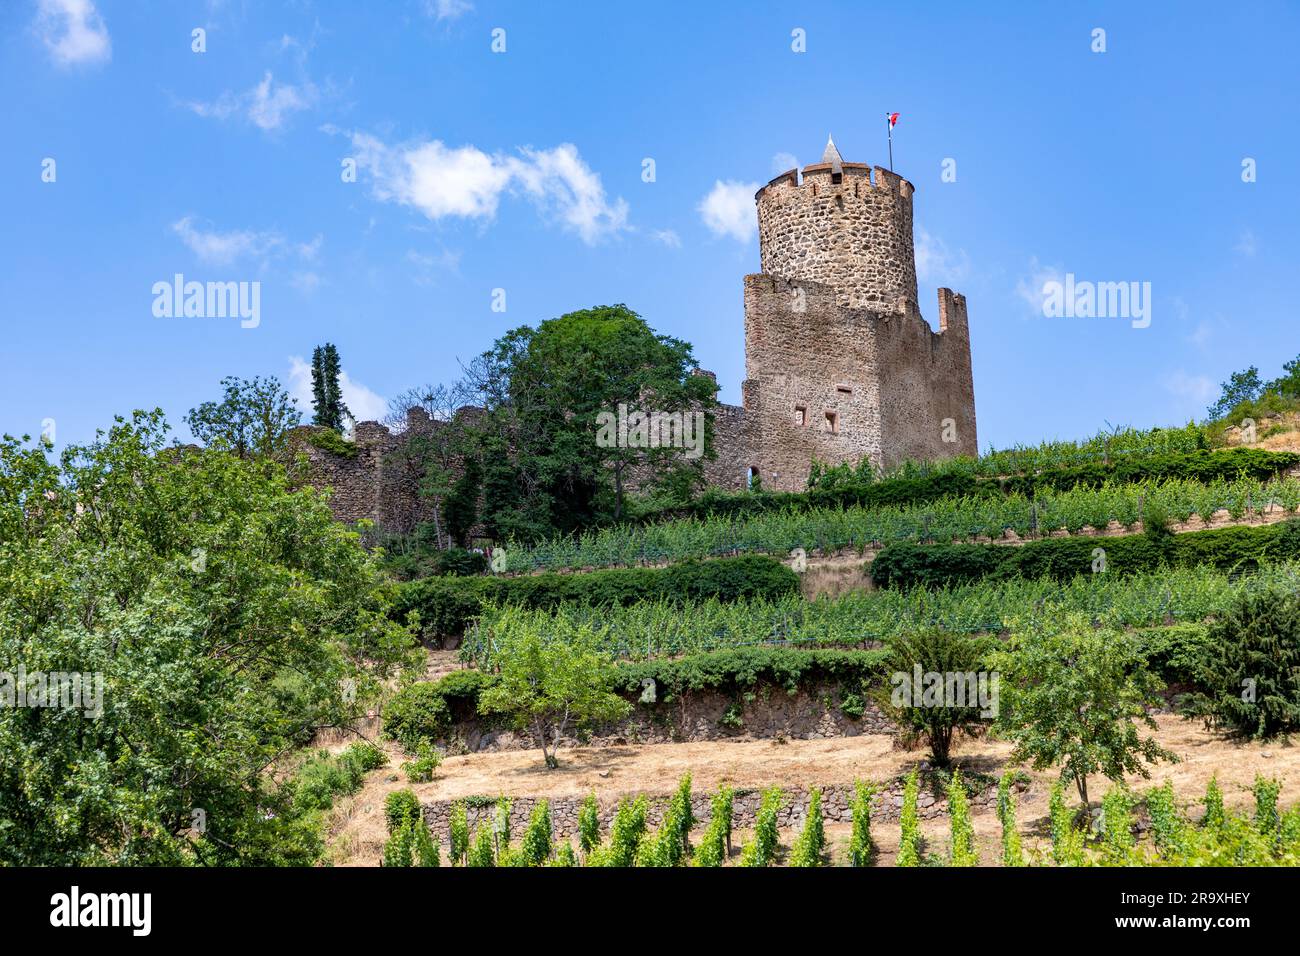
(73,32)
(936,263)
(1030,287)
(1246,245)
(223,248)
(267,105)
(783,162)
(1194,388)
(728,210)
(466,183)
(215,248)
(447,9)
(364,404)
(668,237)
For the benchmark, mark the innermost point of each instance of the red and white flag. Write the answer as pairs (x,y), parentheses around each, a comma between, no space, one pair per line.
(893,120)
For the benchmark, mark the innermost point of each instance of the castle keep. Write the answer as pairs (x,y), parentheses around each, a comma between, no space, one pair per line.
(840,365)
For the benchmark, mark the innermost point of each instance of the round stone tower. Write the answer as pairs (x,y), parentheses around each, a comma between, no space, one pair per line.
(847,225)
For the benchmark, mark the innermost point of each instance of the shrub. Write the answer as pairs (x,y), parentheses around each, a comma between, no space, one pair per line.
(761,851)
(482,853)
(1266,792)
(909,824)
(327,439)
(460,562)
(589,824)
(399,850)
(1214,813)
(1251,667)
(861,847)
(907,565)
(626,833)
(1117,827)
(739,669)
(935,716)
(961,849)
(420,770)
(400,808)
(853,706)
(564,856)
(447,605)
(715,845)
(536,845)
(1067,841)
(322,776)
(811,843)
(1011,852)
(1167,828)
(426,850)
(458,834)
(415,715)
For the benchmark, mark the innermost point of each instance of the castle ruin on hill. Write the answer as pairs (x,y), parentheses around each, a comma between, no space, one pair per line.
(840,364)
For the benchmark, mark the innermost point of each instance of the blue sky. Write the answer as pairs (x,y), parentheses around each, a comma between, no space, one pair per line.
(522,170)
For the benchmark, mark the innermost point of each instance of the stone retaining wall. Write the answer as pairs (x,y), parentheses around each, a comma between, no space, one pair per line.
(812,713)
(886,806)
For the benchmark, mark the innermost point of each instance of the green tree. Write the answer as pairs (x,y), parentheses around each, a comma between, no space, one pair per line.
(252,419)
(327,394)
(224,615)
(544,392)
(1240,387)
(1251,666)
(945,661)
(1076,695)
(549,686)
(1287,384)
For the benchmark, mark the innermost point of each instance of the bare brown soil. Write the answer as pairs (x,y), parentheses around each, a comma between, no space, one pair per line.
(357,830)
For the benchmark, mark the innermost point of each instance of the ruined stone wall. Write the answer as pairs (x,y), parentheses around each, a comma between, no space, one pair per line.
(379,484)
(854,235)
(927,393)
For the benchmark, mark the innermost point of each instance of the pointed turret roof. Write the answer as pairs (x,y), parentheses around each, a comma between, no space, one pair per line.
(832,155)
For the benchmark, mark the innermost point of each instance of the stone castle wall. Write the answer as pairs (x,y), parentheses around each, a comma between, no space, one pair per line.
(840,363)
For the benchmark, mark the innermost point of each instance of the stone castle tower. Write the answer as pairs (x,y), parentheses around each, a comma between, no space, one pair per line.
(840,364)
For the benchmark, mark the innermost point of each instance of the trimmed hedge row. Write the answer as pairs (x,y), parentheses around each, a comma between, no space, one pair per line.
(426,710)
(1205,466)
(908,565)
(446,605)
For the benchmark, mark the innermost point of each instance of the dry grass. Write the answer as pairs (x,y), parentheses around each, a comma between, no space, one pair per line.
(357,833)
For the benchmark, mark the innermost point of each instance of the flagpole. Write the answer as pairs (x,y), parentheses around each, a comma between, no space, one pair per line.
(890,127)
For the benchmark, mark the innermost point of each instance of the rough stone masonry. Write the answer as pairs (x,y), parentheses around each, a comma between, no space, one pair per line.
(840,365)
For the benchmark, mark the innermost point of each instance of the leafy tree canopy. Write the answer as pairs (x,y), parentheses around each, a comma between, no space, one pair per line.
(253,418)
(227,615)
